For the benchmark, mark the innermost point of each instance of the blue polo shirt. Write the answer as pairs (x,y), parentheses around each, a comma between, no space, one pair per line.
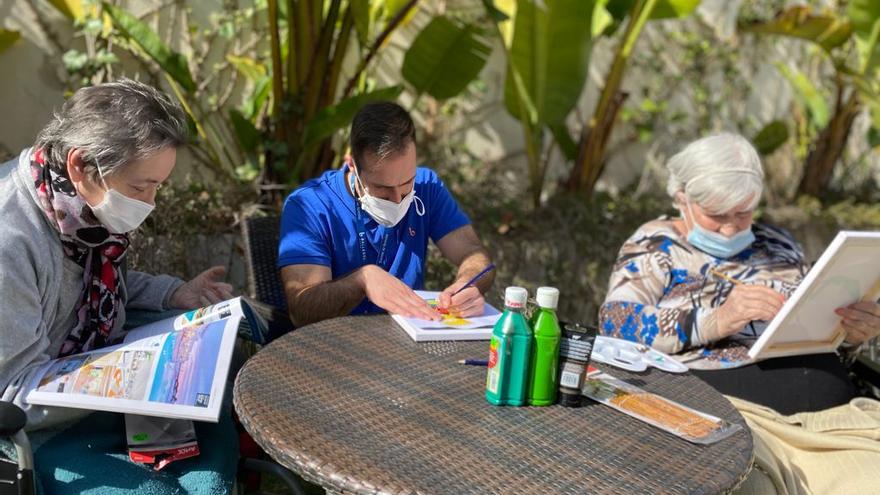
(319,227)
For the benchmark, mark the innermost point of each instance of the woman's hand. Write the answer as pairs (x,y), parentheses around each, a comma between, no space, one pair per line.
(746,303)
(205,289)
(860,320)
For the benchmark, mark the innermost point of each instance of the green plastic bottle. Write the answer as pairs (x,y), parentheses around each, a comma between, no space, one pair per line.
(510,350)
(544,376)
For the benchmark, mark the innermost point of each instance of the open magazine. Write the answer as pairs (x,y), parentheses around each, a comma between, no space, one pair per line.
(174,368)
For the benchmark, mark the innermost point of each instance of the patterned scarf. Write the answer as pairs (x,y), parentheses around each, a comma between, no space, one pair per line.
(91,246)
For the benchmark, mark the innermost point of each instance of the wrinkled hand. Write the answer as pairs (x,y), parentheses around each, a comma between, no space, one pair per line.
(860,320)
(392,295)
(744,304)
(205,289)
(468,302)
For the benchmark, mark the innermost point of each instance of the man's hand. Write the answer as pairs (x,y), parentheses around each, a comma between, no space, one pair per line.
(205,289)
(860,320)
(468,302)
(744,304)
(392,295)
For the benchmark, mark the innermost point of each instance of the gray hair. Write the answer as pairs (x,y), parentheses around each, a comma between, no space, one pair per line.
(113,124)
(717,172)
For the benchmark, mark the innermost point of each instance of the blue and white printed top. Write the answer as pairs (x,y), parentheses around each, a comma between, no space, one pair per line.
(662,292)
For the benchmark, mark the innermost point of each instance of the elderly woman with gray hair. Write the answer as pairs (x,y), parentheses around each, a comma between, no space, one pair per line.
(67,206)
(665,290)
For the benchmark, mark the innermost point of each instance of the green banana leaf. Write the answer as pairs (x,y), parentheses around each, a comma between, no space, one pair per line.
(247,135)
(332,118)
(551,53)
(865,17)
(72,9)
(669,9)
(8,38)
(248,67)
(808,95)
(392,7)
(771,137)
(824,29)
(444,58)
(602,19)
(254,101)
(133,29)
(360,9)
(564,140)
(665,9)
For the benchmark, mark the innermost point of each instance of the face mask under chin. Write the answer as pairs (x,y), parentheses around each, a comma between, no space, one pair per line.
(384,212)
(716,244)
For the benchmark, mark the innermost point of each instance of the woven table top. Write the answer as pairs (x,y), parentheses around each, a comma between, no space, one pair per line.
(356,406)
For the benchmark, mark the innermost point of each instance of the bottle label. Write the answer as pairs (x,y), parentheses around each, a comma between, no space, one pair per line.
(570,380)
(493,352)
(494,372)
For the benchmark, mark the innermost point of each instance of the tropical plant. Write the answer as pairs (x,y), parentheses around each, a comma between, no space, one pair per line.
(8,38)
(590,158)
(849,42)
(548,45)
(269,108)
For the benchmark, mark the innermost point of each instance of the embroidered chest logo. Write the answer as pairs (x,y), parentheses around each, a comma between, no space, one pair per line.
(412,232)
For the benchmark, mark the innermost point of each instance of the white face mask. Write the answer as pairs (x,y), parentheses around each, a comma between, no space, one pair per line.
(384,212)
(119,213)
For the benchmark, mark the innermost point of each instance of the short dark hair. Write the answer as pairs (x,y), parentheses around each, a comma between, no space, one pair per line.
(381,128)
(113,124)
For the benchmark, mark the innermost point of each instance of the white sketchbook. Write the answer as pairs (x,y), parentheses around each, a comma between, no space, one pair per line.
(847,272)
(450,327)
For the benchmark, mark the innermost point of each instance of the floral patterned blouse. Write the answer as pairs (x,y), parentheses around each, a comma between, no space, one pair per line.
(663,293)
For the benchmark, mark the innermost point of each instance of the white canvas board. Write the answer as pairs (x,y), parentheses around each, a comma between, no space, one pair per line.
(847,272)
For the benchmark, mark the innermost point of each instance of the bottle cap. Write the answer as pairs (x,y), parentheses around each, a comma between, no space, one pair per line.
(515,297)
(548,297)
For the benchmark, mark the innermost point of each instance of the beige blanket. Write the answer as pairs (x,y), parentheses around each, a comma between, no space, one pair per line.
(827,452)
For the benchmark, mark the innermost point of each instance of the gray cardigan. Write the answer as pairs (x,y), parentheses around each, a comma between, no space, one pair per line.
(39,290)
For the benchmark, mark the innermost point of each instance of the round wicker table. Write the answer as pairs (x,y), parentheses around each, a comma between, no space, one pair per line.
(354,405)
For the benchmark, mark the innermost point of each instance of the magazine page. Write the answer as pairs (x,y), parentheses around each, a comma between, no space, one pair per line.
(179,374)
(207,314)
(254,326)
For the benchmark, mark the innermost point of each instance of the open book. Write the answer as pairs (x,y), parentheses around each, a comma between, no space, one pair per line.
(451,327)
(174,368)
(847,272)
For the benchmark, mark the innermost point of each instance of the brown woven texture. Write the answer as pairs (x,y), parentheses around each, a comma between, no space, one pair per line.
(355,405)
(261,237)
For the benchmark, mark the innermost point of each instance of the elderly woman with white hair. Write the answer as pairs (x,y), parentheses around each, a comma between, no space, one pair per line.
(666,291)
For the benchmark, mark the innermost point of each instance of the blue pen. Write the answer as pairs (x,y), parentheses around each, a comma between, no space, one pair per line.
(476,277)
(474,362)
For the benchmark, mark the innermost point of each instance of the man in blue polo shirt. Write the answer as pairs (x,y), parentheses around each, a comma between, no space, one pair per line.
(355,240)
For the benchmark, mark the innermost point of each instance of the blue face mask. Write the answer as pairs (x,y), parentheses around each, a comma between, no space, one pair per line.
(717,244)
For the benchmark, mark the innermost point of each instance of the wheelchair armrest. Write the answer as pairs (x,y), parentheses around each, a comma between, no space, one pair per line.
(12,419)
